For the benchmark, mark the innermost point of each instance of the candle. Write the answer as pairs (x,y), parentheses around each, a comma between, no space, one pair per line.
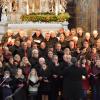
(27,8)
(56,10)
(33,7)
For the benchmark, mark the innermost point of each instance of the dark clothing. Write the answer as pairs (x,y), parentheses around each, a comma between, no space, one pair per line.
(32,96)
(56,81)
(1,76)
(34,62)
(72,84)
(45,87)
(25,53)
(60,55)
(48,42)
(7,88)
(89,41)
(86,54)
(26,70)
(73,50)
(94,39)
(54,41)
(49,62)
(43,52)
(95,82)
(12,68)
(80,41)
(14,49)
(63,44)
(1,72)
(38,40)
(20,91)
(7,56)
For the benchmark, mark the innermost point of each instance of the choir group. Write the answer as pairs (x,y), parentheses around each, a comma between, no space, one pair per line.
(62,65)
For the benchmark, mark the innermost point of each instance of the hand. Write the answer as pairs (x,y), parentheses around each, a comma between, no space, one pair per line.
(83,77)
(55,76)
(40,78)
(8,86)
(46,81)
(20,85)
(61,76)
(83,65)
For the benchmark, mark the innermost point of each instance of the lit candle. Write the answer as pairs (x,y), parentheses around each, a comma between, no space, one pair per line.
(33,7)
(27,7)
(56,8)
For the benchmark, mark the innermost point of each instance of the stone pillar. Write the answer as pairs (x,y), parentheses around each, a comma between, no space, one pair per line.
(98,20)
(83,14)
(93,15)
(57,7)
(20,6)
(86,14)
(37,5)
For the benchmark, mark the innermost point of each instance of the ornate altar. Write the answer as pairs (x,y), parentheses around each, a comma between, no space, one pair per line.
(16,8)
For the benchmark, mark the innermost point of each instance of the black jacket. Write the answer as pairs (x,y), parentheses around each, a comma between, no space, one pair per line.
(72,84)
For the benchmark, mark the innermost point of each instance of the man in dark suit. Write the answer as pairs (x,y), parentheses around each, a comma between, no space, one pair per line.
(25,51)
(72,85)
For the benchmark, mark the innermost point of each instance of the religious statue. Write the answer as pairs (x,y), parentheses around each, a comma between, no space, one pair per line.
(52,5)
(44,6)
(62,6)
(14,6)
(36,5)
(4,15)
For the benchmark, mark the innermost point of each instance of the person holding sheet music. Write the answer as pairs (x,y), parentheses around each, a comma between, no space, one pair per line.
(7,86)
(33,84)
(20,86)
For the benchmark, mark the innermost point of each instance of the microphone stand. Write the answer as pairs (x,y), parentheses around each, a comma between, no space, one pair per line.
(11,96)
(4,80)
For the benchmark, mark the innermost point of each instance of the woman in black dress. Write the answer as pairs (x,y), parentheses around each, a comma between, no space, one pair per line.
(45,79)
(20,86)
(56,78)
(6,85)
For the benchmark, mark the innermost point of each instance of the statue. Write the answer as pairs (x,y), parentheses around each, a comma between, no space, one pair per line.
(36,6)
(4,15)
(44,6)
(62,6)
(52,5)
(47,5)
(14,6)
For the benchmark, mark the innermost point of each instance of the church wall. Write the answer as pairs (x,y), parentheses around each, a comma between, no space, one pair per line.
(86,14)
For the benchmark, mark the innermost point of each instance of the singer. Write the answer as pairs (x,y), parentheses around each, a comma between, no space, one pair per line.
(6,85)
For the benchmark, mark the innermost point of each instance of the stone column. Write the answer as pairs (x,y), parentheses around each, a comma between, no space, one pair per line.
(27,7)
(57,3)
(83,14)
(37,6)
(20,5)
(94,14)
(86,11)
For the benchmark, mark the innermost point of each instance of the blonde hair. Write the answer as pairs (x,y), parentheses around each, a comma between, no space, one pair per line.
(30,74)
(23,63)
